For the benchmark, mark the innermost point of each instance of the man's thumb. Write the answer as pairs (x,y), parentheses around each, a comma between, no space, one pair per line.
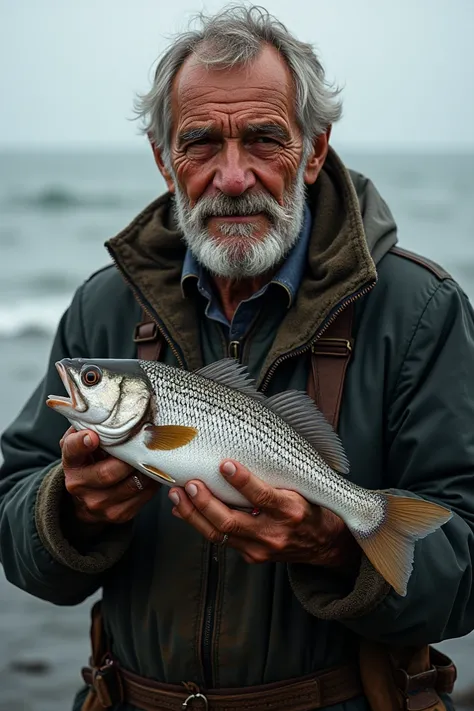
(77,446)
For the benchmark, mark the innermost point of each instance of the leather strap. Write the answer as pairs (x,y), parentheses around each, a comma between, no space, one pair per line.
(428,673)
(330,357)
(148,339)
(330,687)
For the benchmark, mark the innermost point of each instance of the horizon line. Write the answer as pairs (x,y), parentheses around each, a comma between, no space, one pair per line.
(137,148)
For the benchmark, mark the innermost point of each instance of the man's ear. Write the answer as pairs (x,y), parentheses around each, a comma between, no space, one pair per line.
(317,157)
(161,166)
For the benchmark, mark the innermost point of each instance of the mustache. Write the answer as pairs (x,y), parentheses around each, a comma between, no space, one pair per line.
(246,205)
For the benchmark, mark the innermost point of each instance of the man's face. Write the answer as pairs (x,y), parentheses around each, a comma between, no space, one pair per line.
(236,159)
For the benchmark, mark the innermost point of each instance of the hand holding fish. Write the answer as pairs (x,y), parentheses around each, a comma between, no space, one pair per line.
(289,529)
(103,489)
(169,423)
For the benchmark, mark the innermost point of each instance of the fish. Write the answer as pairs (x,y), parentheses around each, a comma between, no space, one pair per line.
(174,425)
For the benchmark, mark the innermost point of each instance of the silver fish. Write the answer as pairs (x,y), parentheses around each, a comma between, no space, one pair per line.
(175,425)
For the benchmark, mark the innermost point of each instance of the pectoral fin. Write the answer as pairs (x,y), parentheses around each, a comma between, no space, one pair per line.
(169,436)
(157,473)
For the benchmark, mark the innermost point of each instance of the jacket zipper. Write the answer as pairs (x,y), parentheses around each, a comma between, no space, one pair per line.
(210,604)
(209,615)
(310,344)
(147,308)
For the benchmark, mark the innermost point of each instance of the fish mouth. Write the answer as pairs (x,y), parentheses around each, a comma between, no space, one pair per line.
(73,401)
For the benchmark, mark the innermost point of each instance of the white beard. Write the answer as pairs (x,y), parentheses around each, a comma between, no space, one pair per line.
(241,253)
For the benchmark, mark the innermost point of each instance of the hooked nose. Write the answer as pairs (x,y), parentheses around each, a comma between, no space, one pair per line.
(233,174)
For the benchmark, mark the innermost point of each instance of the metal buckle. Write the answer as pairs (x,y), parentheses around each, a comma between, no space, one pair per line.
(192,698)
(144,339)
(332,343)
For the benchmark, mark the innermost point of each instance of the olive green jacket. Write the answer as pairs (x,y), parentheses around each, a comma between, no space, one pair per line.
(407,423)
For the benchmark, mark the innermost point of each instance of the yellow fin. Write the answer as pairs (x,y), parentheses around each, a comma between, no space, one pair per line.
(169,436)
(391,547)
(158,473)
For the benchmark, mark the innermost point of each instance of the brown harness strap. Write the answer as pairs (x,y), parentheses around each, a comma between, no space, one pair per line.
(148,339)
(330,357)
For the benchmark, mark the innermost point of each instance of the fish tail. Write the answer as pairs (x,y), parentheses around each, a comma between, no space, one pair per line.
(391,547)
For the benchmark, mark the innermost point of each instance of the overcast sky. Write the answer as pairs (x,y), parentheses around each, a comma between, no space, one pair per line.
(69,68)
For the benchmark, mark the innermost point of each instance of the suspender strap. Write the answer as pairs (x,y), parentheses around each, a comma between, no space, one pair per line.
(330,357)
(148,339)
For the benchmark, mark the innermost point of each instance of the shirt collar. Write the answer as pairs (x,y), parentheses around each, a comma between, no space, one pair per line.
(288,277)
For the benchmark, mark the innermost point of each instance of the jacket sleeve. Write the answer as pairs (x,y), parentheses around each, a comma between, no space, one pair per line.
(35,553)
(430,453)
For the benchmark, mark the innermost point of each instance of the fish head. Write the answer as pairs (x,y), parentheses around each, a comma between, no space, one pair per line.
(110,397)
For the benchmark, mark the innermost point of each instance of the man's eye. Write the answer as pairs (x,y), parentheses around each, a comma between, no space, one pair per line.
(265,143)
(202,149)
(200,146)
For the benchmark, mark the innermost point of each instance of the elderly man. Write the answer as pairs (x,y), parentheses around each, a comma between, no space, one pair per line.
(262,246)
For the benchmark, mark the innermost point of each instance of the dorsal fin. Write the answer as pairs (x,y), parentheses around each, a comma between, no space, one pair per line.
(233,374)
(300,412)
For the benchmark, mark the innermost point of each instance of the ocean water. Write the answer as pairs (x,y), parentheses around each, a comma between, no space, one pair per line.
(56,210)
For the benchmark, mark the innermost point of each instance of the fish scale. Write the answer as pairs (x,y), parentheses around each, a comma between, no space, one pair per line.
(242,428)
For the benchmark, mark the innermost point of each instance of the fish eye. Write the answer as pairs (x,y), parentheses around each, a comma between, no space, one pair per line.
(91,375)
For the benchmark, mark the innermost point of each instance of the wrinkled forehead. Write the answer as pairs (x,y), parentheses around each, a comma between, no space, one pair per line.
(264,87)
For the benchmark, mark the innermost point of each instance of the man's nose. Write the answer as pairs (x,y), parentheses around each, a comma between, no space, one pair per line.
(233,175)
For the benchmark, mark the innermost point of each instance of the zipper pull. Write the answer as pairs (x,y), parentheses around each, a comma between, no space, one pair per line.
(234,350)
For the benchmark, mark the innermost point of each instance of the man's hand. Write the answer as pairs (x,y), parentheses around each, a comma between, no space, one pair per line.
(103,489)
(288,528)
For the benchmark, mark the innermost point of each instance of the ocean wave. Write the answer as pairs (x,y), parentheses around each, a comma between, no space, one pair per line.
(38,317)
(60,199)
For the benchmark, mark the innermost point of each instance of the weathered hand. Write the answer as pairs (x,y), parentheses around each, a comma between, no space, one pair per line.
(103,489)
(288,528)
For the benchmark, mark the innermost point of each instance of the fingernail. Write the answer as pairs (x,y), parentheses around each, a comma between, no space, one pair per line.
(87,441)
(229,468)
(174,498)
(191,489)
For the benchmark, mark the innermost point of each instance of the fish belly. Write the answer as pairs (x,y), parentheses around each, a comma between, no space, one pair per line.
(182,465)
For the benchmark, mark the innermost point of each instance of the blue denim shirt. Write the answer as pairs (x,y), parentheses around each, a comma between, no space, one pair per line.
(288,278)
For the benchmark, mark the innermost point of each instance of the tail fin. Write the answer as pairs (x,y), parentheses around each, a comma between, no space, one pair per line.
(391,547)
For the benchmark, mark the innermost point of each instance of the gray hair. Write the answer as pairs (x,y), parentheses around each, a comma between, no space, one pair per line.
(234,36)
